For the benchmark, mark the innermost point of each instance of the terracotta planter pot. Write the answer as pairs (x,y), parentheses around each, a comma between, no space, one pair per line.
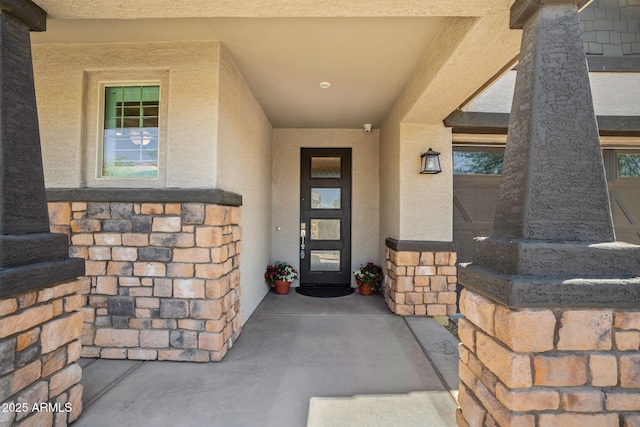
(365,289)
(282,287)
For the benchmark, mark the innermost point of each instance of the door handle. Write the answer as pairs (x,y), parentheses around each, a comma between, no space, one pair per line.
(303,235)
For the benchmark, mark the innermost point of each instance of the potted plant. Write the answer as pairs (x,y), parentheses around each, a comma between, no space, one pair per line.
(280,277)
(369,278)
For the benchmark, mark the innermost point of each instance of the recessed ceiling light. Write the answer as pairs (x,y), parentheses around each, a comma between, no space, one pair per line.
(324,85)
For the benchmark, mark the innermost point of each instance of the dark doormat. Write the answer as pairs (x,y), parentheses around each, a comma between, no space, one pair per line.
(324,291)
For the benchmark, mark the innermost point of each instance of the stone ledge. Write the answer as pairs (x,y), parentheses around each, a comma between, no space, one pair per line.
(551,291)
(420,245)
(145,195)
(546,258)
(40,275)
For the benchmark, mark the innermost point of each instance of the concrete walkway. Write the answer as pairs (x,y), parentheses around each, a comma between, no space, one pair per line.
(293,350)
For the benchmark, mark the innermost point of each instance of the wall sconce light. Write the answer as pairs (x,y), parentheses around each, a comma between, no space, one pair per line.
(430,162)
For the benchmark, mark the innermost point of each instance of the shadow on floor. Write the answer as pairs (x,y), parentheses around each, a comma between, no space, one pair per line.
(293,348)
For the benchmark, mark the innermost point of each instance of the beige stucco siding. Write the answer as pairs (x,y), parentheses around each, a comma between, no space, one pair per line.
(68,112)
(415,206)
(286,190)
(426,202)
(244,167)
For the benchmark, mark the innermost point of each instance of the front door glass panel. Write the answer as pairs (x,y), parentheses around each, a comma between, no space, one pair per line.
(325,260)
(326,167)
(325,229)
(325,198)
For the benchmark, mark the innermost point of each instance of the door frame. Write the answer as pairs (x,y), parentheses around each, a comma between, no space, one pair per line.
(322,278)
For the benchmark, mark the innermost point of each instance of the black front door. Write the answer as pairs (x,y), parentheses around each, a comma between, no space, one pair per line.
(325,217)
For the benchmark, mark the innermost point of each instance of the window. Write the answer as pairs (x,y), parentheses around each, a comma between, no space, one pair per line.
(477,161)
(130,139)
(629,165)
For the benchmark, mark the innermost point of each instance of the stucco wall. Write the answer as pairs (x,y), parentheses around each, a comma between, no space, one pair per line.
(389,184)
(68,116)
(286,190)
(426,201)
(415,206)
(244,167)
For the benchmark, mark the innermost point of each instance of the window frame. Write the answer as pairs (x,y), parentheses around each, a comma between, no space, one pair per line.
(101,123)
(95,84)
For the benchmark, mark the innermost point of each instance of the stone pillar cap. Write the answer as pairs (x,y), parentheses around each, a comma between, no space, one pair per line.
(32,15)
(523,9)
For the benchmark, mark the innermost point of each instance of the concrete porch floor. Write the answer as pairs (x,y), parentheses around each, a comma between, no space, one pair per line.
(294,348)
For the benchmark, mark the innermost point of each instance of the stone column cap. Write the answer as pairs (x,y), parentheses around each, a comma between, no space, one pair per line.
(32,15)
(531,291)
(523,9)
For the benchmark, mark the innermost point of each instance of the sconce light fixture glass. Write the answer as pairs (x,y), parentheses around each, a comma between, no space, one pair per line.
(430,162)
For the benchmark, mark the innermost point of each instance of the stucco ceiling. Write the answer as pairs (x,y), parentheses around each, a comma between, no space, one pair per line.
(367,60)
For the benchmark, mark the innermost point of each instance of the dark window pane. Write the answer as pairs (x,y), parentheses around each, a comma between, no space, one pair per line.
(628,165)
(131,123)
(150,123)
(150,111)
(477,162)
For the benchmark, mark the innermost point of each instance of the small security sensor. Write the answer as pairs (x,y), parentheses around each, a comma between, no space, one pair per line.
(367,128)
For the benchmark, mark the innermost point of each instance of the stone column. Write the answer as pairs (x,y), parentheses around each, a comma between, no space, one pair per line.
(40,327)
(30,256)
(551,334)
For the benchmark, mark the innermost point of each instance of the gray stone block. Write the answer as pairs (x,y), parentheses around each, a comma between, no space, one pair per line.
(27,356)
(116,225)
(141,224)
(164,239)
(154,254)
(121,306)
(7,355)
(121,210)
(183,339)
(103,321)
(193,213)
(119,322)
(98,211)
(174,309)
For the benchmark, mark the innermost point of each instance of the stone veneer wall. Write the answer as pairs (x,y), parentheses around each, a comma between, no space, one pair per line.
(548,367)
(39,346)
(164,277)
(420,278)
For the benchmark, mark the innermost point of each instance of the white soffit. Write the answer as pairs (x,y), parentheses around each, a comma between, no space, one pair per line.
(121,9)
(614,94)
(367,60)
